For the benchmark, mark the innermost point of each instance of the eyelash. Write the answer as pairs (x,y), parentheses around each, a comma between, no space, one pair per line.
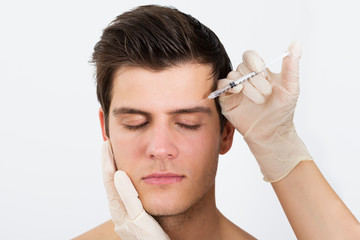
(140,126)
(189,127)
(136,127)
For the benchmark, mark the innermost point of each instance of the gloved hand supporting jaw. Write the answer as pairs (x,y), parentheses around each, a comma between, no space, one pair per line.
(130,219)
(262,110)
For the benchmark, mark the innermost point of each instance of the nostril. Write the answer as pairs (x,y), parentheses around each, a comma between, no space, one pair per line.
(161,154)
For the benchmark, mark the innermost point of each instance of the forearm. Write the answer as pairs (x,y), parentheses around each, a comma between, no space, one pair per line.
(312,207)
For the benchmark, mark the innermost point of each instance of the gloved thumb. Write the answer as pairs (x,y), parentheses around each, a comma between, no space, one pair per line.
(290,68)
(128,194)
(108,168)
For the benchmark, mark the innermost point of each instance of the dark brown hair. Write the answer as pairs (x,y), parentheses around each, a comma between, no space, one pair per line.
(155,37)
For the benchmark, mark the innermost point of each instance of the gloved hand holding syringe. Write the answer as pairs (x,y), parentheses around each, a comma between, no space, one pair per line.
(262,109)
(239,81)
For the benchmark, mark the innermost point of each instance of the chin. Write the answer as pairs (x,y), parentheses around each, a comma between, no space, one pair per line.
(162,211)
(164,204)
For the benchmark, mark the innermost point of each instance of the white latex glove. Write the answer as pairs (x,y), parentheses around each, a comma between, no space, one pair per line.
(262,110)
(130,219)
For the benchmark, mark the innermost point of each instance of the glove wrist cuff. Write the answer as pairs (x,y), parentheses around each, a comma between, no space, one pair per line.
(279,154)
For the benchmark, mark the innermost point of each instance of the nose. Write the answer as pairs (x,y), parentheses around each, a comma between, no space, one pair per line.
(161,144)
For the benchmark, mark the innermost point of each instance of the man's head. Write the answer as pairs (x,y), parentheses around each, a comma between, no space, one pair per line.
(154,65)
(156,38)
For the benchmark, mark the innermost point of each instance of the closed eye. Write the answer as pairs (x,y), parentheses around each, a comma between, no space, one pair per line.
(189,127)
(136,127)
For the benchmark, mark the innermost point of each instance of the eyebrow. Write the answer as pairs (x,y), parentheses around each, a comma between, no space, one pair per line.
(126,110)
(198,109)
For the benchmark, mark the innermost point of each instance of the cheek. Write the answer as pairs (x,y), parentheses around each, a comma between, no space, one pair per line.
(200,151)
(127,151)
(203,143)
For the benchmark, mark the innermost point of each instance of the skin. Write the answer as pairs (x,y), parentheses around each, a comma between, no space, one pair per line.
(312,207)
(158,124)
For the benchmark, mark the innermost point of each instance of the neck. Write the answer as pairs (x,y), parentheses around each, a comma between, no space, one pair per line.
(201,221)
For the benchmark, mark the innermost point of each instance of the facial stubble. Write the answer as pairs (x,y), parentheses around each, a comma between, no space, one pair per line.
(187,210)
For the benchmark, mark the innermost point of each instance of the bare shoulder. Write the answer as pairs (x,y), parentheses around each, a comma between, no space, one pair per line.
(104,231)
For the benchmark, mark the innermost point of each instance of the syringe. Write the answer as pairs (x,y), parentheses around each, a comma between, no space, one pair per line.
(244,78)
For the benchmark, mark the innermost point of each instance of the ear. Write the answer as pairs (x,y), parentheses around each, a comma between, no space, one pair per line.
(102,123)
(227,137)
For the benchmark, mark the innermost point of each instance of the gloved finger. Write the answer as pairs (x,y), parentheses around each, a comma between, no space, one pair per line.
(243,69)
(229,102)
(252,93)
(128,194)
(290,68)
(253,61)
(248,89)
(117,208)
(261,84)
(259,81)
(225,81)
(234,75)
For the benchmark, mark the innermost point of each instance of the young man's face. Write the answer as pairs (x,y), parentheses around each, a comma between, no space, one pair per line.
(164,137)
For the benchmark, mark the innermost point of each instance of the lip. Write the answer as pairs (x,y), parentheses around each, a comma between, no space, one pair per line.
(163,178)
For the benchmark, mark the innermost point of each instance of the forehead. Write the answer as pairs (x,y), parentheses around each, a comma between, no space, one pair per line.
(173,87)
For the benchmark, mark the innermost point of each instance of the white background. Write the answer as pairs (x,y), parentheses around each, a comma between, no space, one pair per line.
(50,169)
